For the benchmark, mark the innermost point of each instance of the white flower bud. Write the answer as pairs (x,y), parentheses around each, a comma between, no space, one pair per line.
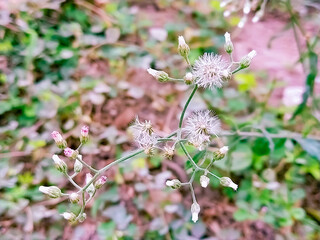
(247,7)
(53,191)
(61,143)
(82,217)
(90,190)
(224,149)
(183,48)
(101,181)
(188,78)
(60,164)
(195,209)
(69,216)
(204,181)
(174,184)
(228,46)
(161,76)
(78,165)
(246,60)
(227,182)
(257,16)
(74,197)
(84,137)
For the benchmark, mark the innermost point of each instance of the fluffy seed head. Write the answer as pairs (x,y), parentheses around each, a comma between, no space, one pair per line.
(209,71)
(199,128)
(143,134)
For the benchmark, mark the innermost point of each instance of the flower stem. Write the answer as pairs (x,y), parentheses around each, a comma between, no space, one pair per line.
(187,104)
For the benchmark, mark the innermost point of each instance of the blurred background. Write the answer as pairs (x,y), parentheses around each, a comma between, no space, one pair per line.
(66,63)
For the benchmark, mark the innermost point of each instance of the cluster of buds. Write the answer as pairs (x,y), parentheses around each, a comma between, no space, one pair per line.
(247,6)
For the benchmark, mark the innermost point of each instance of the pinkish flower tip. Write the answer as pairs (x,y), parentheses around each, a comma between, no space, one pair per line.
(85,131)
(56,136)
(68,152)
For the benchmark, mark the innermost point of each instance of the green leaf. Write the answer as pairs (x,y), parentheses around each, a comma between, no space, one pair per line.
(312,147)
(106,230)
(298,213)
(240,159)
(309,85)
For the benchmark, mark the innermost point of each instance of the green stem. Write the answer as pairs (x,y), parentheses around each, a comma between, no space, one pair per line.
(73,182)
(109,166)
(237,70)
(187,104)
(87,165)
(189,157)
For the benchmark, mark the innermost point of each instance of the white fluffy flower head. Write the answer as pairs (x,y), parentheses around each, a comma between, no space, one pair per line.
(200,126)
(210,71)
(143,134)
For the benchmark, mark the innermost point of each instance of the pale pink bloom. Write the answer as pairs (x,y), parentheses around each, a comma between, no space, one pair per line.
(56,136)
(102,180)
(84,131)
(69,152)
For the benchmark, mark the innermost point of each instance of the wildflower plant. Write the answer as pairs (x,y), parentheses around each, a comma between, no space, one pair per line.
(200,130)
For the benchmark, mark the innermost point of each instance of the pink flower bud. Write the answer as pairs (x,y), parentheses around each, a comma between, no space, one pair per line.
(84,134)
(70,153)
(84,131)
(61,143)
(98,184)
